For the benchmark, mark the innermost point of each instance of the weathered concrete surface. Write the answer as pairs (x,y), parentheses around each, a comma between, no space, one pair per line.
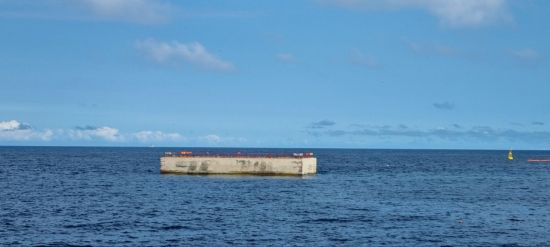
(239,165)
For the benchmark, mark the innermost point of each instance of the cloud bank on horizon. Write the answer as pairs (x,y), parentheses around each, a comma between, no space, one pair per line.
(449,133)
(17,132)
(13,130)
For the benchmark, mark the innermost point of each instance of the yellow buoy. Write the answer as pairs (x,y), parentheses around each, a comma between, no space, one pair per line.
(510,156)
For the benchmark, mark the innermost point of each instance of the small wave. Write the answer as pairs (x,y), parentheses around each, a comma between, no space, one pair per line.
(61,244)
(341,240)
(79,226)
(411,218)
(515,220)
(95,226)
(173,227)
(363,209)
(511,245)
(337,220)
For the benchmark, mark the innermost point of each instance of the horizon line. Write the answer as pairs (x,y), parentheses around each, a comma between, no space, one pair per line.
(228,147)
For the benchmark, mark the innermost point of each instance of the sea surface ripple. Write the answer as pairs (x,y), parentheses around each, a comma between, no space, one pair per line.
(87,196)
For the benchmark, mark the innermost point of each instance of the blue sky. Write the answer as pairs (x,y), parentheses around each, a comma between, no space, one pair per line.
(321,73)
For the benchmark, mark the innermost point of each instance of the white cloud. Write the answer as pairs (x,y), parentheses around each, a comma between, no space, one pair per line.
(26,135)
(91,133)
(141,11)
(13,130)
(455,13)
(468,12)
(286,57)
(10,125)
(157,136)
(193,53)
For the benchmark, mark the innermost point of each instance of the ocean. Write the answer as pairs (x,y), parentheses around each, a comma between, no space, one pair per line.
(112,196)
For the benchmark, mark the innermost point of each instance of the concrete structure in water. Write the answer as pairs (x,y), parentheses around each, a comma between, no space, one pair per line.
(289,165)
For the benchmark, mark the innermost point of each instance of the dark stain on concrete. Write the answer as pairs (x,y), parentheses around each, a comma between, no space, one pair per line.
(193,166)
(181,164)
(243,162)
(204,166)
(263,165)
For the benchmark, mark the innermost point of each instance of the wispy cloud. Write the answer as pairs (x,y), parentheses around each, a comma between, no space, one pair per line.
(527,55)
(539,123)
(476,133)
(286,57)
(321,124)
(95,133)
(213,139)
(453,13)
(13,130)
(142,11)
(432,49)
(193,53)
(157,136)
(110,134)
(358,58)
(444,105)
(273,37)
(135,11)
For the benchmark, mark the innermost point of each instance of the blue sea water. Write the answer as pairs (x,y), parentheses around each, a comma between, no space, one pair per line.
(87,196)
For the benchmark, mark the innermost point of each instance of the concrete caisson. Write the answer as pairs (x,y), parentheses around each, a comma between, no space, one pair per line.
(239,165)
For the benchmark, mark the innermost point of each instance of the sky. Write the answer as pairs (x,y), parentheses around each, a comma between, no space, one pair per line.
(442,74)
